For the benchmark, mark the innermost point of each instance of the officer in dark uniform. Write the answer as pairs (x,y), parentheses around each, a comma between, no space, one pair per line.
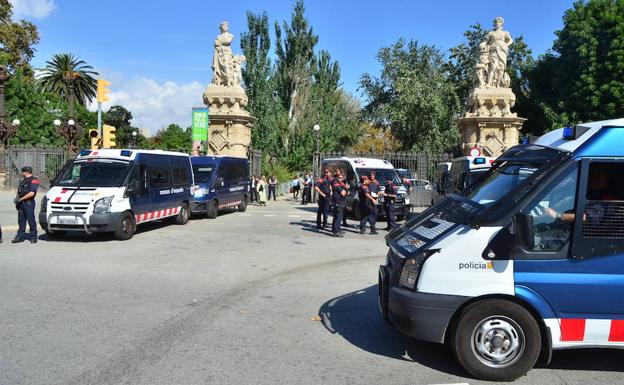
(339,195)
(375,190)
(323,189)
(367,203)
(390,195)
(25,205)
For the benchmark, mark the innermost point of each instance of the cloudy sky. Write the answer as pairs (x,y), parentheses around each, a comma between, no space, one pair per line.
(157,53)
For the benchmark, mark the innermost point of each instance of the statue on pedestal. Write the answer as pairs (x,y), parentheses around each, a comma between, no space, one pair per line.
(225,65)
(498,42)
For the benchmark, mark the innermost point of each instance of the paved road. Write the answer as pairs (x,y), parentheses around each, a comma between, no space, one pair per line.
(254,298)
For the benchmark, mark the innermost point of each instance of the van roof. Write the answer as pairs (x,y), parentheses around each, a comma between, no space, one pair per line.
(204,159)
(603,138)
(123,154)
(363,162)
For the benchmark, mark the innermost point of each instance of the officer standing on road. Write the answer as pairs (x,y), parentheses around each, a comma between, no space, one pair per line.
(339,195)
(375,189)
(367,203)
(323,188)
(390,195)
(25,205)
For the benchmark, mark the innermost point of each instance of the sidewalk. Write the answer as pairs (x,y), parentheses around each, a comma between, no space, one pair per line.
(8,215)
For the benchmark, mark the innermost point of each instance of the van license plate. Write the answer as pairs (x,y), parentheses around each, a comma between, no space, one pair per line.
(68,221)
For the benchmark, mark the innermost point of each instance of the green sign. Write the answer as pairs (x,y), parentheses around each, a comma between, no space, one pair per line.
(200,124)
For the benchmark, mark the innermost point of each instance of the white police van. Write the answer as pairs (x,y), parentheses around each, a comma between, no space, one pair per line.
(115,190)
(354,168)
(527,260)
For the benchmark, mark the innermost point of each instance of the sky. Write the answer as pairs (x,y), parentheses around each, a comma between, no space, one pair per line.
(157,54)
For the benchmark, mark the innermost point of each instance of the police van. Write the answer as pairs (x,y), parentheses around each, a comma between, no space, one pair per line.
(221,182)
(465,171)
(354,168)
(527,260)
(115,190)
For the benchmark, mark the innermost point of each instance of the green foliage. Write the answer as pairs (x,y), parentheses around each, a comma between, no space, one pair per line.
(53,78)
(16,40)
(413,97)
(173,138)
(281,171)
(120,118)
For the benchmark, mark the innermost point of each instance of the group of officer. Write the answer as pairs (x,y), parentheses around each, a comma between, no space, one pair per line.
(332,192)
(25,205)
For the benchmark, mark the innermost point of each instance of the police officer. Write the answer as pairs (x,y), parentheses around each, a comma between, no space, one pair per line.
(375,189)
(339,195)
(25,205)
(323,189)
(390,195)
(367,203)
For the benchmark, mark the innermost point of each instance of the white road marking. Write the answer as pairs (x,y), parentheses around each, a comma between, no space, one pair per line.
(270,215)
(294,216)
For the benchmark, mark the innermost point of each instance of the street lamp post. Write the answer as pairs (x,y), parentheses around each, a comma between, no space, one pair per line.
(71,130)
(7,129)
(317,154)
(134,139)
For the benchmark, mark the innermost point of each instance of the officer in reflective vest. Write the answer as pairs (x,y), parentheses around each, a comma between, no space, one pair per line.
(339,194)
(323,189)
(390,195)
(375,189)
(25,205)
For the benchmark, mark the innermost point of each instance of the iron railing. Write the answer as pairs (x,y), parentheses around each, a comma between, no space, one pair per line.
(46,163)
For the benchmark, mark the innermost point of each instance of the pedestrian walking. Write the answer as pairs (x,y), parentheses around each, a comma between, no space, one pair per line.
(367,204)
(262,190)
(254,192)
(272,186)
(339,197)
(307,188)
(296,187)
(323,189)
(390,195)
(25,205)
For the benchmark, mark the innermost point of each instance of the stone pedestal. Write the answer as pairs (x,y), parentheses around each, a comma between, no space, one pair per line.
(489,123)
(230,124)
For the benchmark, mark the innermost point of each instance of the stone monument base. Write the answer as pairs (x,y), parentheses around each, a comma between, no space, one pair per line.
(493,135)
(230,124)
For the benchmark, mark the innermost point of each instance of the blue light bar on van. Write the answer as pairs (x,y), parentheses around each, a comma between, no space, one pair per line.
(85,152)
(126,153)
(478,161)
(568,133)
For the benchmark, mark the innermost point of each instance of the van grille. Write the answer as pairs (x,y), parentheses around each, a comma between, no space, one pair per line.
(69,207)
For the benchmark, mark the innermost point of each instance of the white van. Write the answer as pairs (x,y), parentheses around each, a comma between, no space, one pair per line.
(354,168)
(115,190)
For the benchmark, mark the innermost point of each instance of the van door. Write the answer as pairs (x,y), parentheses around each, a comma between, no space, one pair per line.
(222,190)
(577,263)
(137,190)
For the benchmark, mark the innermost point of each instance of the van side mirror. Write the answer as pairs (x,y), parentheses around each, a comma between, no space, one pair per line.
(524,230)
(500,246)
(219,182)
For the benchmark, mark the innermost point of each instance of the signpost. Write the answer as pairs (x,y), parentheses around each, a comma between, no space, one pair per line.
(199,127)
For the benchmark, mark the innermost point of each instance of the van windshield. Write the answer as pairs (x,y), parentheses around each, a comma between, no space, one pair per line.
(202,172)
(382,174)
(503,179)
(94,173)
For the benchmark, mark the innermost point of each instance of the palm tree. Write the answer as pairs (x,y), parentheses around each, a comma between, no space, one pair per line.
(63,69)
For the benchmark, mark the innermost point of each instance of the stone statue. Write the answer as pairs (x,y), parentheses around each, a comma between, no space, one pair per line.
(498,42)
(226,67)
(479,79)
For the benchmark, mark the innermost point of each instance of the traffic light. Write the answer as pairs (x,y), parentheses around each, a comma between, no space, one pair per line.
(94,136)
(102,90)
(108,136)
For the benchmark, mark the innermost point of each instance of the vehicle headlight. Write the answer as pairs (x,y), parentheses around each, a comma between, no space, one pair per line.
(412,267)
(44,204)
(102,206)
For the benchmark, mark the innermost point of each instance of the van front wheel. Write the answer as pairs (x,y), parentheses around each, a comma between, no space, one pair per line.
(496,340)
(183,215)
(126,227)
(243,205)
(212,210)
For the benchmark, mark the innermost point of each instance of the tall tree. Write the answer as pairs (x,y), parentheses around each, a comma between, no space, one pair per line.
(173,137)
(53,78)
(413,97)
(16,40)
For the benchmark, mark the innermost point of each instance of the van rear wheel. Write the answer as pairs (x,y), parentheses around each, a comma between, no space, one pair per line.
(496,340)
(126,227)
(242,207)
(212,210)
(183,215)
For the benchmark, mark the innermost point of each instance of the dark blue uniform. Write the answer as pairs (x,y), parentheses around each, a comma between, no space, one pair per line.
(366,207)
(391,189)
(340,201)
(26,208)
(323,202)
(374,189)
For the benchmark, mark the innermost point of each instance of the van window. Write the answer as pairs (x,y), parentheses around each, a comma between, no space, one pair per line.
(159,176)
(97,173)
(603,215)
(202,173)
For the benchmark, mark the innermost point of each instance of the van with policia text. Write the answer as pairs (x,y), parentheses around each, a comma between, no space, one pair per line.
(114,190)
(221,182)
(527,260)
(354,168)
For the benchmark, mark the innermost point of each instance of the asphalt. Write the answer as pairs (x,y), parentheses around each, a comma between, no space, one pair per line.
(257,298)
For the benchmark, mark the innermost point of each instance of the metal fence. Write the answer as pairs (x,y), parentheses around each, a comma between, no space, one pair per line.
(45,161)
(255,161)
(419,166)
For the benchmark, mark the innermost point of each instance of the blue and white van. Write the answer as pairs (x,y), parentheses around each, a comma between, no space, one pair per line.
(527,260)
(115,190)
(221,182)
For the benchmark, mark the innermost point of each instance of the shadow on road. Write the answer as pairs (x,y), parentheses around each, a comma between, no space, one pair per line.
(310,225)
(355,317)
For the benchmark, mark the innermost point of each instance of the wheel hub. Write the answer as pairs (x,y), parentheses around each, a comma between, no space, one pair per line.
(498,341)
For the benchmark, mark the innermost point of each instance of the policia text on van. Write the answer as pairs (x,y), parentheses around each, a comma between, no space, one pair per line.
(527,260)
